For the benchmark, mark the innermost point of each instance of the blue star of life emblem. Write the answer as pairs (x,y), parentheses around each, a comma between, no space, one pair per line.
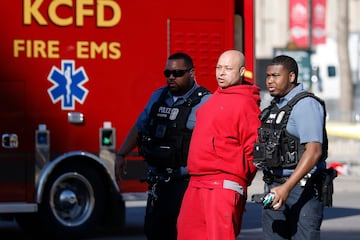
(68,84)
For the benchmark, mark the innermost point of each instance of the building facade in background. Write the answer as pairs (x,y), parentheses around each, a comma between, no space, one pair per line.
(282,27)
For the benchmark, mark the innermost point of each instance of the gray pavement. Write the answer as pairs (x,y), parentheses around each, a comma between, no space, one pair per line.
(342,221)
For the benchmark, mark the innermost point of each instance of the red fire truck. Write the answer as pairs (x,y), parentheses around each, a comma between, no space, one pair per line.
(75,74)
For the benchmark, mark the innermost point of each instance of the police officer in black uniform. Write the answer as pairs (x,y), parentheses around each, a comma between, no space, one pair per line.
(162,132)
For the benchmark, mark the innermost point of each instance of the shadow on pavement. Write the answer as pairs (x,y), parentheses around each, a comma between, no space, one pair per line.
(338,212)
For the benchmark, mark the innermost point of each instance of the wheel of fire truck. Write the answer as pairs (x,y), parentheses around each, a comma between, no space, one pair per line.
(75,203)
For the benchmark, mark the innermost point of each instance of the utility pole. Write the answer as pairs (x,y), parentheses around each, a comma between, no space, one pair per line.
(310,40)
(346,83)
(310,25)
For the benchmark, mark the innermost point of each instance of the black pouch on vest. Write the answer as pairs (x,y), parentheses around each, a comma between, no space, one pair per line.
(158,154)
(259,155)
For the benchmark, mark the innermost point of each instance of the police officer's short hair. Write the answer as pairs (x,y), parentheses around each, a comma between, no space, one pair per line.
(187,59)
(288,62)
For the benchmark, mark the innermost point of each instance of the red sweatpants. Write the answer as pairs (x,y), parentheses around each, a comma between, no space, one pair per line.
(210,212)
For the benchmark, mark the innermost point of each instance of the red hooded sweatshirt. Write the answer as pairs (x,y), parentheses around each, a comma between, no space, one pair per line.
(224,135)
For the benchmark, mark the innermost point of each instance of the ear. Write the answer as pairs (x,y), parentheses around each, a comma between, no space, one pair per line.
(192,73)
(292,77)
(242,71)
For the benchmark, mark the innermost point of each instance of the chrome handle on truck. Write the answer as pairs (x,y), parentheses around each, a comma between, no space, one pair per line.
(9,140)
(76,117)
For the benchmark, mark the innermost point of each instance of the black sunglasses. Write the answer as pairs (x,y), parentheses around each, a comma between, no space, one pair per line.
(175,73)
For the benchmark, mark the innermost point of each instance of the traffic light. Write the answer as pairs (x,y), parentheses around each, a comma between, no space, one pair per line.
(107,137)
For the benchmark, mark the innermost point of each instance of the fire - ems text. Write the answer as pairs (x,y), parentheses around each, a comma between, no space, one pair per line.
(51,49)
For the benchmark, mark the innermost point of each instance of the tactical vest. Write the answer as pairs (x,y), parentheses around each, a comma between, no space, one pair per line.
(166,142)
(276,147)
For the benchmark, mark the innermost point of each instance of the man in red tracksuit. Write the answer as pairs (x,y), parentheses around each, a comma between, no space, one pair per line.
(220,155)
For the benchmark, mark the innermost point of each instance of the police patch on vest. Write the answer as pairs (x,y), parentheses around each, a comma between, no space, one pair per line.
(174,113)
(271,118)
(280,117)
(163,112)
(167,112)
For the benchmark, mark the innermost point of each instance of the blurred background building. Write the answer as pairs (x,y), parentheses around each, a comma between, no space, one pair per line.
(318,38)
(311,36)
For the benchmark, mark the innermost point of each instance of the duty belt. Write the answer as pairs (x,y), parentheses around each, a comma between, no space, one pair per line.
(269,179)
(164,176)
(280,180)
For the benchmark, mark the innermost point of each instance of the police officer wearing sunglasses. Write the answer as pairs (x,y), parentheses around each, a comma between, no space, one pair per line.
(162,132)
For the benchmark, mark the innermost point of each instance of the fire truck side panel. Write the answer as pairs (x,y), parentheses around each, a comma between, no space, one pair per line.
(74,77)
(16,177)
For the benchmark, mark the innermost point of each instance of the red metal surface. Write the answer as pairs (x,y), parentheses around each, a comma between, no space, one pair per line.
(123,63)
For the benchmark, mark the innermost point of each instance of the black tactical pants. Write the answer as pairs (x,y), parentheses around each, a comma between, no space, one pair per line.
(163,209)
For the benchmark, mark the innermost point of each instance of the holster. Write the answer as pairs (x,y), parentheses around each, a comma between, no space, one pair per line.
(327,177)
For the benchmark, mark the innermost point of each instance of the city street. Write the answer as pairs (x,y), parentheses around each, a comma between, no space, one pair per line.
(340,222)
